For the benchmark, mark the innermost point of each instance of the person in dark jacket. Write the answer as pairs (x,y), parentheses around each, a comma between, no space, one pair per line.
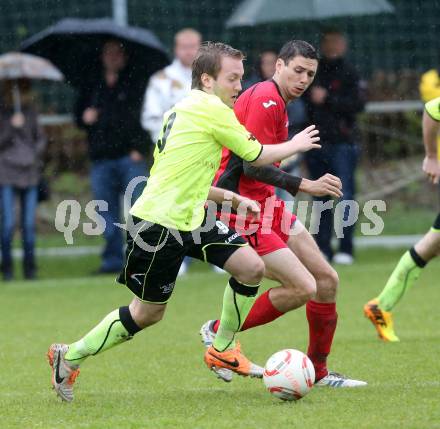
(333,102)
(22,144)
(109,111)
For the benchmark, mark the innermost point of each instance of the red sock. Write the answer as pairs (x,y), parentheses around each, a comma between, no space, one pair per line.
(262,312)
(322,318)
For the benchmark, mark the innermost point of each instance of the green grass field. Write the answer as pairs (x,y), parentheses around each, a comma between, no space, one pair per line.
(158,380)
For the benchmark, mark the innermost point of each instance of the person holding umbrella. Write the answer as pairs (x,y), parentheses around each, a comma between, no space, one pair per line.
(109,65)
(22,144)
(109,112)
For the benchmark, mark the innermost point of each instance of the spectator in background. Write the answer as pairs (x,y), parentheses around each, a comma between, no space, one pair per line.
(170,85)
(333,102)
(429,89)
(264,68)
(430,85)
(22,144)
(109,112)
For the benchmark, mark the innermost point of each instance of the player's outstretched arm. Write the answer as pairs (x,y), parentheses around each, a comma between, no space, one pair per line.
(273,176)
(301,142)
(431,163)
(325,185)
(240,204)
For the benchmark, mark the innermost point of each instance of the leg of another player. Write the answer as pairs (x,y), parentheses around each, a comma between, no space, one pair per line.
(321,311)
(408,270)
(405,274)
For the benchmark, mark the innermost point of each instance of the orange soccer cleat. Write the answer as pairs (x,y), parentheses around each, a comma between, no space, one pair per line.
(382,321)
(63,374)
(234,360)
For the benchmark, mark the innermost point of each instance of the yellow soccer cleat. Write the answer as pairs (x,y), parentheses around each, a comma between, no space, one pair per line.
(382,321)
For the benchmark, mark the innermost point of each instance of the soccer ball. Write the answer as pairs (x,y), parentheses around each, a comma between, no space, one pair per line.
(289,374)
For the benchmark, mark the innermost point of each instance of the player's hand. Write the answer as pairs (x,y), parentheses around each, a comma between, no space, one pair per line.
(306,139)
(90,116)
(325,185)
(248,209)
(17,120)
(432,169)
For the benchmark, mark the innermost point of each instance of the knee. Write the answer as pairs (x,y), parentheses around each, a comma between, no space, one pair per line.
(252,273)
(327,282)
(298,293)
(144,318)
(304,291)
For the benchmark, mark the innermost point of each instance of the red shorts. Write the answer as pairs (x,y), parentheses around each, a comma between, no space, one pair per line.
(270,233)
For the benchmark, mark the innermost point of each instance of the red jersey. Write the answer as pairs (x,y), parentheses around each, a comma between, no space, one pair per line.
(262,111)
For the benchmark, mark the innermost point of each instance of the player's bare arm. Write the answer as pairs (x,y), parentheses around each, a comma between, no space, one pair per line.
(239,203)
(302,142)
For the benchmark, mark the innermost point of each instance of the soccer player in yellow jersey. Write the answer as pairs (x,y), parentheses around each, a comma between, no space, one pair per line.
(170,220)
(408,269)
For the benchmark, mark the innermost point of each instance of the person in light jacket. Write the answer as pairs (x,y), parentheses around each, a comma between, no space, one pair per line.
(171,84)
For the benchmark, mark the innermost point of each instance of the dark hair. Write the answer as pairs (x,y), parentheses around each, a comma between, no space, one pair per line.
(297,48)
(208,60)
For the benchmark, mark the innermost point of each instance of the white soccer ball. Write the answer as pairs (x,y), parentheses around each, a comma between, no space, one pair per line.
(289,374)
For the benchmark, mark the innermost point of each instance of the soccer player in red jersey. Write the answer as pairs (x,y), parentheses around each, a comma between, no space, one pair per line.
(290,254)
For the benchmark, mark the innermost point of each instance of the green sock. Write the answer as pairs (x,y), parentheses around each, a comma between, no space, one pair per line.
(234,312)
(108,333)
(402,278)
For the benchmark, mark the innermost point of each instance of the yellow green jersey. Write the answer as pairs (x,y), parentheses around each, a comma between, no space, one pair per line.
(186,158)
(433,108)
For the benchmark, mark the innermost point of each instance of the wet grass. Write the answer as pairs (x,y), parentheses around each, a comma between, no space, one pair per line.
(158,380)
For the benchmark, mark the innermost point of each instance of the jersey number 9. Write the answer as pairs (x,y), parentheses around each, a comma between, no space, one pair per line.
(166,132)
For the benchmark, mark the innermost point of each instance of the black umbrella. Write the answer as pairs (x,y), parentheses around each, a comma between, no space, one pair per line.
(75,45)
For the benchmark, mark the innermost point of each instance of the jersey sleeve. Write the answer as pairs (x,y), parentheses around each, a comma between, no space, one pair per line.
(433,108)
(231,134)
(264,120)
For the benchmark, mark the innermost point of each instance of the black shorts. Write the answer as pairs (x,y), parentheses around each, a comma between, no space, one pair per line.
(154,255)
